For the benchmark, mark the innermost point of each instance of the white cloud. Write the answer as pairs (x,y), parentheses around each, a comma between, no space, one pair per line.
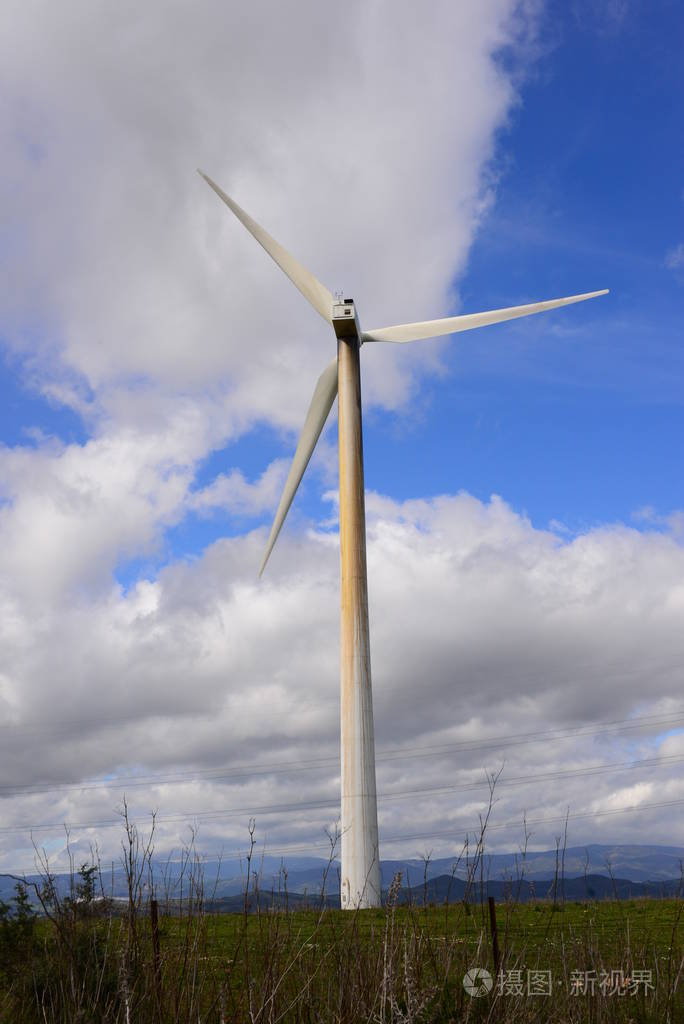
(72,512)
(134,297)
(127,268)
(232,492)
(481,625)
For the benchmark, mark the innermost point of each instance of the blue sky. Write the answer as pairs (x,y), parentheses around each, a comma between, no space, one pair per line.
(592,197)
(582,426)
(155,369)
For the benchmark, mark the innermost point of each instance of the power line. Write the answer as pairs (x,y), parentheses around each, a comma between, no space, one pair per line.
(541,821)
(309,805)
(541,737)
(453,833)
(387,840)
(312,764)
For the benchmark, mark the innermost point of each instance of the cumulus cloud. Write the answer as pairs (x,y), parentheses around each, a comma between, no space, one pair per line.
(482,626)
(363,139)
(233,492)
(126,267)
(71,512)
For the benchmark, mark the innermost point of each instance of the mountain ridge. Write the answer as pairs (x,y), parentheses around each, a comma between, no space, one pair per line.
(626,863)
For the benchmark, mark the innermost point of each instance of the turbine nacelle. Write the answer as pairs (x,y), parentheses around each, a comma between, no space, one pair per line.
(344,319)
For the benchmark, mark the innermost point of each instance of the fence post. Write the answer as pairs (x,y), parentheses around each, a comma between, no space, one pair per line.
(154,924)
(495,935)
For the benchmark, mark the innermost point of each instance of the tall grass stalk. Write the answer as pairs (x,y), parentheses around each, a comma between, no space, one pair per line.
(87,957)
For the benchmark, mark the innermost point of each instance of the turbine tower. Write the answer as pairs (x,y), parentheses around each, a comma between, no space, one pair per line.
(360,880)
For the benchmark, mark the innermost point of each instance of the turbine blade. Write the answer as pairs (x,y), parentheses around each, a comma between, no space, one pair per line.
(311,288)
(321,404)
(452,324)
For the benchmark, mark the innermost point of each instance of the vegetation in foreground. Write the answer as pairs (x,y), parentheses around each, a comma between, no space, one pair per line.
(88,958)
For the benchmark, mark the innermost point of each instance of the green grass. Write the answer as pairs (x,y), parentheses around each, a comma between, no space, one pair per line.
(92,961)
(401,964)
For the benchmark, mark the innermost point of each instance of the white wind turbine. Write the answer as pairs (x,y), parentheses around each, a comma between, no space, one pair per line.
(360,879)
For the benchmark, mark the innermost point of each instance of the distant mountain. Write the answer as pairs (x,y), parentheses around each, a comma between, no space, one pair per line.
(304,875)
(445,889)
(635,863)
(593,887)
(632,863)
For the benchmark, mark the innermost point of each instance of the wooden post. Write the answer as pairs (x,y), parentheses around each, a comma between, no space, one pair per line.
(156,957)
(360,883)
(495,935)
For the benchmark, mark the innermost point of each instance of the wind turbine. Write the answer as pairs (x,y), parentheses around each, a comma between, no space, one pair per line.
(360,879)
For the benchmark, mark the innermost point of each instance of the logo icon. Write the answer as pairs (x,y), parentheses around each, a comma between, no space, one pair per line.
(477,982)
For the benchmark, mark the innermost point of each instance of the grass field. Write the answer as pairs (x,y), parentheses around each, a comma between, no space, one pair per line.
(564,962)
(89,958)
